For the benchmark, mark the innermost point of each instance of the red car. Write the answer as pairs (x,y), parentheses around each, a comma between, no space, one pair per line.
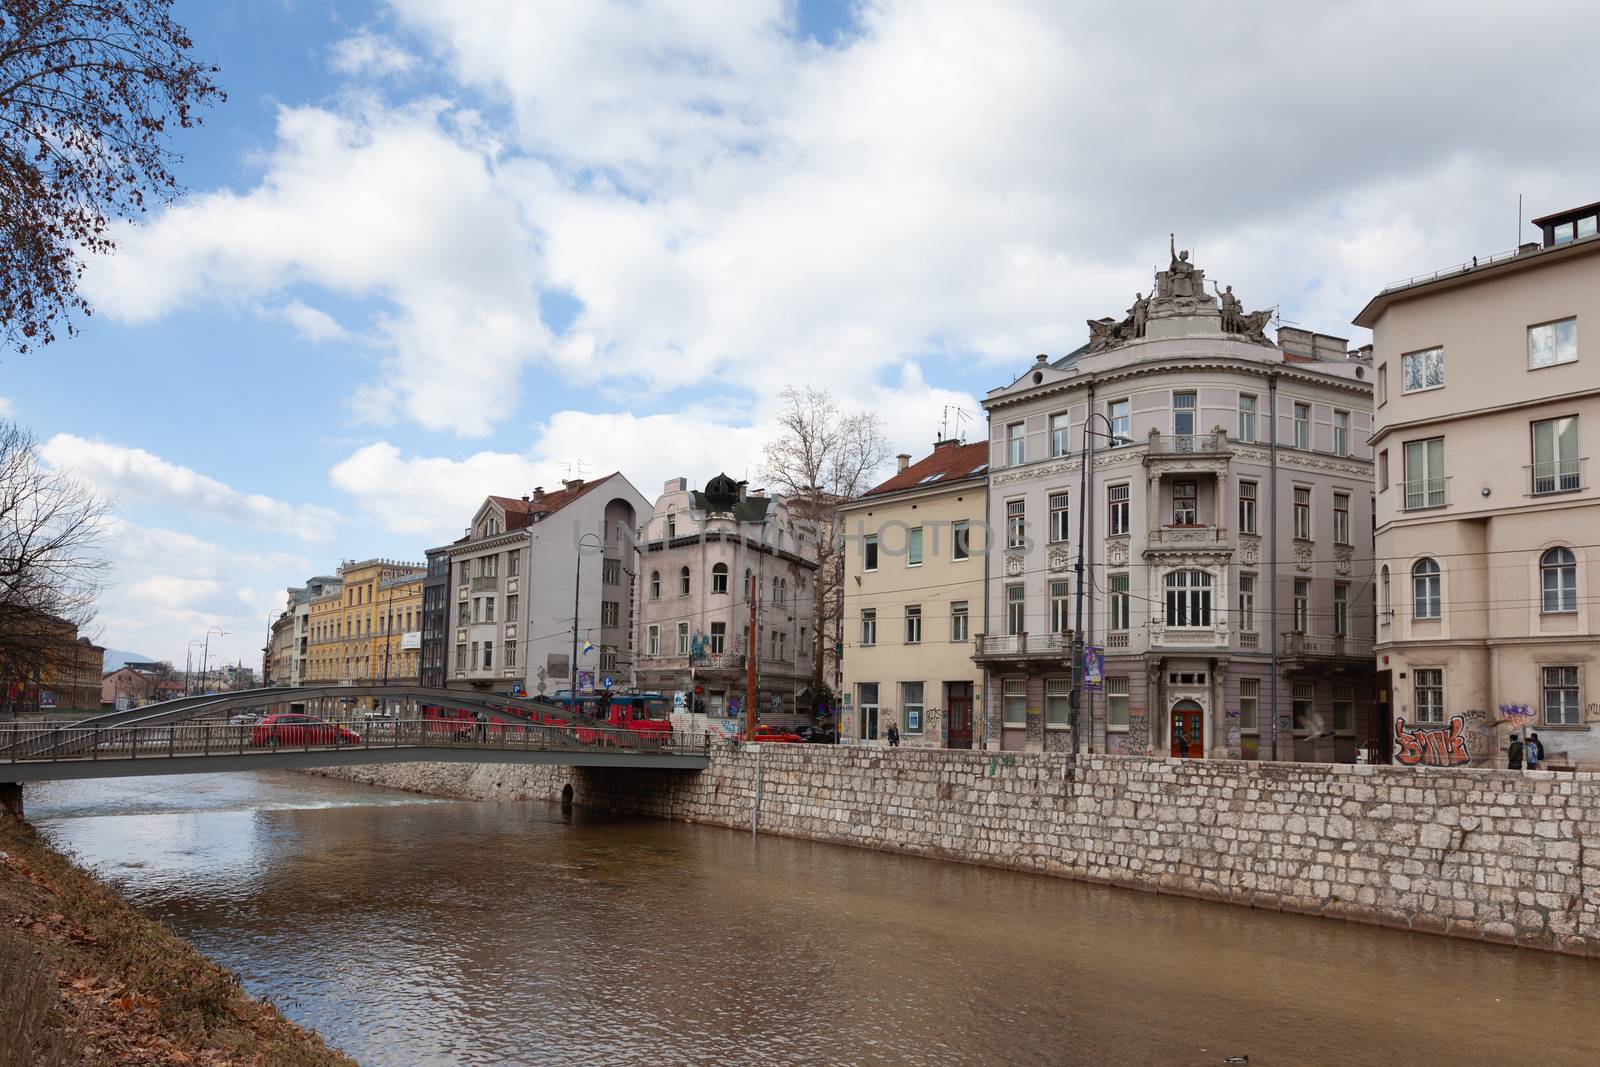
(277,730)
(763,732)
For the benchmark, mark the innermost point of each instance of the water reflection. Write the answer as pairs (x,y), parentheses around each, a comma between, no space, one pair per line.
(414,931)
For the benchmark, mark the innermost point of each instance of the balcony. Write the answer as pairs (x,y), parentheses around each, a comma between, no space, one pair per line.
(1420,494)
(1303,650)
(1022,647)
(488,584)
(1190,444)
(1555,476)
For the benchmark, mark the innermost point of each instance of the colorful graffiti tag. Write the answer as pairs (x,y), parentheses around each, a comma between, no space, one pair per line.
(1432,746)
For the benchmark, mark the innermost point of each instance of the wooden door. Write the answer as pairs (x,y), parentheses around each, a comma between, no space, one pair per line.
(1188,731)
(958,709)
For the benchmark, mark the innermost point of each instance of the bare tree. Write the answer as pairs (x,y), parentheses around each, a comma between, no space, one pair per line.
(824,457)
(51,563)
(88,91)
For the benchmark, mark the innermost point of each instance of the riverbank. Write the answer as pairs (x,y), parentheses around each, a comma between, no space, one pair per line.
(1491,855)
(86,979)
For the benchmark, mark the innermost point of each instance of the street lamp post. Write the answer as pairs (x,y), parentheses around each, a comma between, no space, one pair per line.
(205,653)
(188,669)
(577,588)
(1085,488)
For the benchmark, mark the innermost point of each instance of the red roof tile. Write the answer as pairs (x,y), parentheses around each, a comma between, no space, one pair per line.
(949,462)
(520,512)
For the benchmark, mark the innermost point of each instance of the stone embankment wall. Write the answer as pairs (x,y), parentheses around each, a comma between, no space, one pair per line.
(1496,855)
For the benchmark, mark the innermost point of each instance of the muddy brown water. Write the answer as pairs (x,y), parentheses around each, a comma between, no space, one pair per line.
(416,931)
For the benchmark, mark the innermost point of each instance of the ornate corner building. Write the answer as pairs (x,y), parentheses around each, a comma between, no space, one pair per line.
(1218,485)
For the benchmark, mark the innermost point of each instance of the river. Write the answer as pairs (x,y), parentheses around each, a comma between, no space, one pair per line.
(415,931)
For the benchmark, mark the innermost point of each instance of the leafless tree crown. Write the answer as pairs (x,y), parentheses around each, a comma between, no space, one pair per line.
(88,94)
(822,458)
(51,563)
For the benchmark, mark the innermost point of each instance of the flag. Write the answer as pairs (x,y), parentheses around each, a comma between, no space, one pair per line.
(588,647)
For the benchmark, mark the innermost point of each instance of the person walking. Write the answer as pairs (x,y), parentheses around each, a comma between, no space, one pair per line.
(1533,751)
(1514,754)
(482,718)
(894,736)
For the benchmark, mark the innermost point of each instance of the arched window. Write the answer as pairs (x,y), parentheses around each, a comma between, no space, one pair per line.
(719,578)
(783,591)
(749,583)
(655,585)
(1188,598)
(1425,589)
(1558,575)
(1388,604)
(683,582)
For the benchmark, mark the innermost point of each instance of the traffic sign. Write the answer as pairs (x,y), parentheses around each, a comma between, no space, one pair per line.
(606,682)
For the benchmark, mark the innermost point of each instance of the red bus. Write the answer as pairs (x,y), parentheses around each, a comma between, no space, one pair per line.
(639,713)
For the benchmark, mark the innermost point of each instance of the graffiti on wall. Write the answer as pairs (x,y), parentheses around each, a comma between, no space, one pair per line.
(1138,731)
(1432,746)
(1480,735)
(1515,713)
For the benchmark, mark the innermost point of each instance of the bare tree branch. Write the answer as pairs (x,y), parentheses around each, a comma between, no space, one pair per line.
(821,459)
(51,563)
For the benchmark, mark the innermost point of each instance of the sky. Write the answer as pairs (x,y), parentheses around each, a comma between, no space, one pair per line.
(429,250)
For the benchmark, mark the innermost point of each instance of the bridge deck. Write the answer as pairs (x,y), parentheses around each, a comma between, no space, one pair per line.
(201,748)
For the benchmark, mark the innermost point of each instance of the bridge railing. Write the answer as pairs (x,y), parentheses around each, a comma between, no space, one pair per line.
(31,743)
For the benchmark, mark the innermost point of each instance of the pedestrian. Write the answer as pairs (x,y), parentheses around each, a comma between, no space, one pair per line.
(1514,754)
(1533,751)
(894,736)
(483,725)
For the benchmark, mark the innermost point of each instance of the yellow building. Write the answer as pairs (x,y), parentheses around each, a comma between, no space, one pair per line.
(367,630)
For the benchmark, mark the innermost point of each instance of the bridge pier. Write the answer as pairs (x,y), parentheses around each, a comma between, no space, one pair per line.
(11,798)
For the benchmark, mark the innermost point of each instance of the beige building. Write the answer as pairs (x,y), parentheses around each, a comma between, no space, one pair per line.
(1487,515)
(913,601)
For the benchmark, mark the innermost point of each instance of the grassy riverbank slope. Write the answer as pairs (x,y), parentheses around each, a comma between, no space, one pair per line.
(86,979)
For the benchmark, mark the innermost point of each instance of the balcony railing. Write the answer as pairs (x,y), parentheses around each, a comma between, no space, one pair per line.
(1424,493)
(1555,476)
(1325,647)
(1024,644)
(1188,443)
(488,584)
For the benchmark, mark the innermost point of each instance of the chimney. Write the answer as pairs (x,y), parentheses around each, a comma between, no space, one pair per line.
(536,496)
(945,443)
(1043,358)
(903,460)
(569,484)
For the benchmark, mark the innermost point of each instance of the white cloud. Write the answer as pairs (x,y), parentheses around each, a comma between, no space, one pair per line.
(368,53)
(400,204)
(6,408)
(739,209)
(312,324)
(166,587)
(133,473)
(434,497)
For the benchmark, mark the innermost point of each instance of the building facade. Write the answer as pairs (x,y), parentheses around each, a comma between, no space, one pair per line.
(435,619)
(698,571)
(513,580)
(914,591)
(1489,605)
(277,661)
(1225,517)
(365,628)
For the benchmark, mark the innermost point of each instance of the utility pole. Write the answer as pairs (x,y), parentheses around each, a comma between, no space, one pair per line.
(1075,699)
(750,670)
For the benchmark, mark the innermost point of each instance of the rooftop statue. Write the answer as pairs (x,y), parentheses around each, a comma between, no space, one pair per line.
(1180,305)
(1180,273)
